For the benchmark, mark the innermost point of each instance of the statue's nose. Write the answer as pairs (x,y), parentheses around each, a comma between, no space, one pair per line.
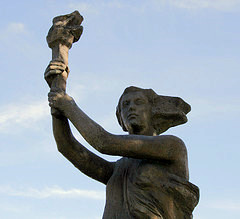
(132,107)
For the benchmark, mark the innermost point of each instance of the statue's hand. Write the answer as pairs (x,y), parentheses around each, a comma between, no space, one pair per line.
(59,100)
(54,68)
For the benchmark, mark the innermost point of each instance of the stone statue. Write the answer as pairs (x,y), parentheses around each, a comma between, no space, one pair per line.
(151,180)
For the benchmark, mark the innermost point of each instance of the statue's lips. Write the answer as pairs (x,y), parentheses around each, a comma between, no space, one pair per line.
(131,115)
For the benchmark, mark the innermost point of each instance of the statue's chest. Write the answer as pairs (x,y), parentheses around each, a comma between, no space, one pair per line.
(149,173)
(138,173)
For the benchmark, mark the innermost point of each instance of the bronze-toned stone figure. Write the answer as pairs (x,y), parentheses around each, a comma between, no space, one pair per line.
(151,180)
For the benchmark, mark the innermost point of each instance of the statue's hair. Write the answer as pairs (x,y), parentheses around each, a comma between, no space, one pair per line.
(166,111)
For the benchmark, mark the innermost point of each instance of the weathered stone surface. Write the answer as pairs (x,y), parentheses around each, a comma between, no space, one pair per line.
(151,180)
(66,30)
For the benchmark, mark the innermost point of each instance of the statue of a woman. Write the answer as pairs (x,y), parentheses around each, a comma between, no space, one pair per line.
(150,181)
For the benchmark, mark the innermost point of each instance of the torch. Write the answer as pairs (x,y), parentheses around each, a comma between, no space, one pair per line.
(66,30)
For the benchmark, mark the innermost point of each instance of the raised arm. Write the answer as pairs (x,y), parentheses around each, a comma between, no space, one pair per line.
(86,161)
(164,147)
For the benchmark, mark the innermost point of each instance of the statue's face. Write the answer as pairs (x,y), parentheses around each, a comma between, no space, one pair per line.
(136,113)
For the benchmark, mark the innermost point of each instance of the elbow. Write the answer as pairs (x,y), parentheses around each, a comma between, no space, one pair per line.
(61,148)
(177,149)
(180,150)
(103,142)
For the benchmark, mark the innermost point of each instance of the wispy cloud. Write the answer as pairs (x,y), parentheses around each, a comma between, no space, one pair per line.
(19,40)
(16,27)
(22,113)
(227,205)
(12,29)
(52,192)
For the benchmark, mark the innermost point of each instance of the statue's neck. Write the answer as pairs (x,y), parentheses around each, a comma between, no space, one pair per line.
(148,132)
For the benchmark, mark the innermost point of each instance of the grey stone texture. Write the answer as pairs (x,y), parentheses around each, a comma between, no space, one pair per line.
(151,180)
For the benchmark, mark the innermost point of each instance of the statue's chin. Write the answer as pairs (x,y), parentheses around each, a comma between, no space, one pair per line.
(137,129)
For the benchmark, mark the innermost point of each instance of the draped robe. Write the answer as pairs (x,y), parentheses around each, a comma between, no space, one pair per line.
(144,189)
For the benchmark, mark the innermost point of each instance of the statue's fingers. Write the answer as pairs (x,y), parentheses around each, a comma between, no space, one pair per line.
(52,73)
(52,100)
(48,69)
(57,67)
(50,104)
(55,71)
(57,63)
(50,65)
(53,93)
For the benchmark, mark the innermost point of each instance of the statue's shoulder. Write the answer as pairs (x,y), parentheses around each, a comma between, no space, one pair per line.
(172,140)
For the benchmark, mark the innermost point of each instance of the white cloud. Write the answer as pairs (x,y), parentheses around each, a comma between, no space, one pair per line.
(228,205)
(16,27)
(52,192)
(17,39)
(12,29)
(23,114)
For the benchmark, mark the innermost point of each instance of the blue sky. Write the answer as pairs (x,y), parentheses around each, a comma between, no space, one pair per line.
(186,48)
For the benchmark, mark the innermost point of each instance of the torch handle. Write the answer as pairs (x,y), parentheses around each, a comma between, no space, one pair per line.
(60,53)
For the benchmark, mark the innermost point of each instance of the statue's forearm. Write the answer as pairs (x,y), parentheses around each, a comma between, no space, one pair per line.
(92,132)
(83,159)
(62,133)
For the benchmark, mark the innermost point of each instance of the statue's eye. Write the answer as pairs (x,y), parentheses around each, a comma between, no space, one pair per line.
(125,103)
(139,101)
